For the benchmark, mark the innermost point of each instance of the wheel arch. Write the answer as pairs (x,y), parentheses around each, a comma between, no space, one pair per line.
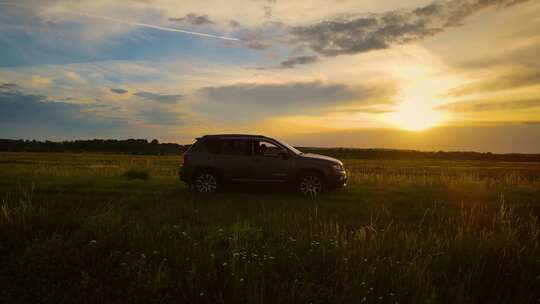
(304,171)
(212,169)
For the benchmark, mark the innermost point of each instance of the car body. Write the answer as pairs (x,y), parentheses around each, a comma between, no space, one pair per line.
(215,160)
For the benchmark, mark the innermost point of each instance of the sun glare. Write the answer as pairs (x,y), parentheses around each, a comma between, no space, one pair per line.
(415,116)
(417,110)
(422,84)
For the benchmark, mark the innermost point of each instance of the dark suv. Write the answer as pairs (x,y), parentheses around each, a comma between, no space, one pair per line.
(215,160)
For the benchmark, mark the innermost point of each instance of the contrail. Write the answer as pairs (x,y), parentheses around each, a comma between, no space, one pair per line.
(139,24)
(157,27)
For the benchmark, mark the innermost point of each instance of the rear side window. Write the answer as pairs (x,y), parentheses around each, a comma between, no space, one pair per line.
(213,146)
(228,146)
(235,147)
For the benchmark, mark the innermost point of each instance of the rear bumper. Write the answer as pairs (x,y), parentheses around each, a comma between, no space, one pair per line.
(184,174)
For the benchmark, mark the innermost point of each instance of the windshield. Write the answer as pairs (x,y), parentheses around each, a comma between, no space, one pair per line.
(293,149)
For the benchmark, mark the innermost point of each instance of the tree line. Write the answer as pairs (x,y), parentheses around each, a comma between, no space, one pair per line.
(154,147)
(127,146)
(354,153)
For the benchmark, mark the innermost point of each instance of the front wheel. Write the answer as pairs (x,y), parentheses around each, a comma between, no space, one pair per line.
(206,182)
(311,185)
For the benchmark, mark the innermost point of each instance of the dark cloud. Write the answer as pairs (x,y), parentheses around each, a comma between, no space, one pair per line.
(51,23)
(291,62)
(159,113)
(118,91)
(256,45)
(159,97)
(264,37)
(234,23)
(32,116)
(253,40)
(8,86)
(310,92)
(511,80)
(488,105)
(194,19)
(248,101)
(380,31)
(160,116)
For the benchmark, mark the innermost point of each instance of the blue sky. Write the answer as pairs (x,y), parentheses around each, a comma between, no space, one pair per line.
(431,75)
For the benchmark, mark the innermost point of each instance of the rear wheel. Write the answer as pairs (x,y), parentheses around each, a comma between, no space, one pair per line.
(311,185)
(206,182)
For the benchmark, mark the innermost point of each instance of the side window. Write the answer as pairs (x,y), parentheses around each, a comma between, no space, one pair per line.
(265,148)
(213,146)
(236,147)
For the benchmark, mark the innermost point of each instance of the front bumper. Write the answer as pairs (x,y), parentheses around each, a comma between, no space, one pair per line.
(338,179)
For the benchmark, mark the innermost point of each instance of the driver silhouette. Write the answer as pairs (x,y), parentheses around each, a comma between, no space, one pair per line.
(262,149)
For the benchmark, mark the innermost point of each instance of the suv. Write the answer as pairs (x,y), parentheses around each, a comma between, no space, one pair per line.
(215,160)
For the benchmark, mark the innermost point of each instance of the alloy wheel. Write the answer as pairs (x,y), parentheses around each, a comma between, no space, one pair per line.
(311,186)
(206,183)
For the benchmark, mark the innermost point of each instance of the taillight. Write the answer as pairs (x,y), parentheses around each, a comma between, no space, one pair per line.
(185,160)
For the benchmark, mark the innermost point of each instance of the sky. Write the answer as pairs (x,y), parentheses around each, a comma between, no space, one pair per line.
(461,75)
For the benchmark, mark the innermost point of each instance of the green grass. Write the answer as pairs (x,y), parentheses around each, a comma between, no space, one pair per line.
(74,229)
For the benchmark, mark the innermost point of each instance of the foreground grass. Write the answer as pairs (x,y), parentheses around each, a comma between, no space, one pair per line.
(73,228)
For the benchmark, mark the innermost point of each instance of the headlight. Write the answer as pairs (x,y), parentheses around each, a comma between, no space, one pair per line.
(337,167)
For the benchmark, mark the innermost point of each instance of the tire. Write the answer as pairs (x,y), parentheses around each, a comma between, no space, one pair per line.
(311,184)
(206,182)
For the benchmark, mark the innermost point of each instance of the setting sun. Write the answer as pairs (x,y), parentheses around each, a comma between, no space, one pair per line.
(415,117)
(417,111)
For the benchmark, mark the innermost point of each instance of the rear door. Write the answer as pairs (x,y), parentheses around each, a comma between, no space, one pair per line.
(232,156)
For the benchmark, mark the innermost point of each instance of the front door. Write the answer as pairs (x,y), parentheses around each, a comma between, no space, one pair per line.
(271,162)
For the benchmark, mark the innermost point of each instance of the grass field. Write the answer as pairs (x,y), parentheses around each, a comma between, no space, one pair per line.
(75,228)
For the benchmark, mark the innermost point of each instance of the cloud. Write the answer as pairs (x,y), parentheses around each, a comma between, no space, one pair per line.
(75,78)
(193,19)
(256,45)
(287,93)
(382,30)
(521,54)
(161,112)
(510,80)
(291,62)
(8,86)
(486,105)
(118,91)
(253,40)
(160,116)
(32,116)
(251,101)
(159,97)
(234,23)
(39,81)
(267,12)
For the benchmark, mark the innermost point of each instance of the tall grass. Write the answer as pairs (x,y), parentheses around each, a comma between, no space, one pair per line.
(402,232)
(476,255)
